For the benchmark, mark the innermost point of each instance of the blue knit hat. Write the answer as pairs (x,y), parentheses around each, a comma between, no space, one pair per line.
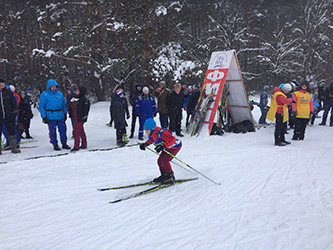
(149,124)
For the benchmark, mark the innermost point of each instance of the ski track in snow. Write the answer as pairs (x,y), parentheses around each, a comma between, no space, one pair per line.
(269,198)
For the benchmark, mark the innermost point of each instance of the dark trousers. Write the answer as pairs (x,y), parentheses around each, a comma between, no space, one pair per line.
(120,134)
(164,120)
(262,118)
(134,116)
(280,128)
(175,122)
(79,135)
(327,107)
(300,126)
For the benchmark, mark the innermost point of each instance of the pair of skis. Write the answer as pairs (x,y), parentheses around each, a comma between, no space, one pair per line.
(144,192)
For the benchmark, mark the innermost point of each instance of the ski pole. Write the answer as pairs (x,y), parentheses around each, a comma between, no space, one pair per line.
(172,161)
(190,167)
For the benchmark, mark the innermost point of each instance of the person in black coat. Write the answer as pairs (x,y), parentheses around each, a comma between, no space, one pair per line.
(78,110)
(8,112)
(119,108)
(192,103)
(327,97)
(174,103)
(133,97)
(24,117)
(69,94)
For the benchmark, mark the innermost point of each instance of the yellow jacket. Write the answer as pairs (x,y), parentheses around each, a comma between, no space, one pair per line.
(302,104)
(278,105)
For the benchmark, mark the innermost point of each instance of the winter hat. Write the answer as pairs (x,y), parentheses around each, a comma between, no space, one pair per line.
(286,87)
(145,89)
(12,88)
(281,85)
(265,87)
(149,124)
(119,93)
(304,83)
(313,86)
(162,83)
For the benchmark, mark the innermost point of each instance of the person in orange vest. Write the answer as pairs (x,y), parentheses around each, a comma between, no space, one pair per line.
(279,112)
(302,107)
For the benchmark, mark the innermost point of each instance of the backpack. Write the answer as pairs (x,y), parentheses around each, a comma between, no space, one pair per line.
(242,127)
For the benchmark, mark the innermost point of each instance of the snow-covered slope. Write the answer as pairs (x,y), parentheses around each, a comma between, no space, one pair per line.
(269,198)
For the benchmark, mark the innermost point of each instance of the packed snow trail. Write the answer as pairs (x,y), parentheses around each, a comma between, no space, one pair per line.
(269,198)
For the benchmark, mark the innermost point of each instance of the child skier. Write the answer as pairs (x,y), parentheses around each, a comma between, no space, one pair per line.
(164,140)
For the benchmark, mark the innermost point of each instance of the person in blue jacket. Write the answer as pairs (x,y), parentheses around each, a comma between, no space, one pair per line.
(263,105)
(145,108)
(52,107)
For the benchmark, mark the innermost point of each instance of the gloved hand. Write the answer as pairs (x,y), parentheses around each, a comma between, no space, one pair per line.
(159,148)
(293,114)
(143,145)
(65,117)
(45,120)
(155,114)
(128,116)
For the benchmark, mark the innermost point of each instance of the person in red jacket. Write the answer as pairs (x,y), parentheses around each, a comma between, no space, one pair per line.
(302,107)
(164,140)
(279,112)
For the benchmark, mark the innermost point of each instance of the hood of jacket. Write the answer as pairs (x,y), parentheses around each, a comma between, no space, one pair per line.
(51,82)
(83,91)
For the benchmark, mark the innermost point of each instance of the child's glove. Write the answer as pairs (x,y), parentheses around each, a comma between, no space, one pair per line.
(159,148)
(143,145)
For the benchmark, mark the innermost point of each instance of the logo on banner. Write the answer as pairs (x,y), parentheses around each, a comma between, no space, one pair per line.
(216,75)
(220,60)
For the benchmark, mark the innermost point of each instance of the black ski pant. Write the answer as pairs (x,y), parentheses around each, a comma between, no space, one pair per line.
(134,117)
(280,129)
(327,107)
(300,126)
(175,121)
(120,134)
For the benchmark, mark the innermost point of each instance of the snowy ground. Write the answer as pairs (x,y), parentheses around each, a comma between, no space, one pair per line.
(269,198)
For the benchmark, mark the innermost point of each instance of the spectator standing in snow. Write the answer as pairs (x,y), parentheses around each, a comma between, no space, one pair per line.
(145,108)
(70,94)
(174,103)
(192,103)
(78,111)
(24,117)
(263,105)
(161,93)
(8,113)
(302,106)
(133,97)
(52,107)
(164,140)
(4,130)
(328,105)
(316,105)
(278,111)
(119,109)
